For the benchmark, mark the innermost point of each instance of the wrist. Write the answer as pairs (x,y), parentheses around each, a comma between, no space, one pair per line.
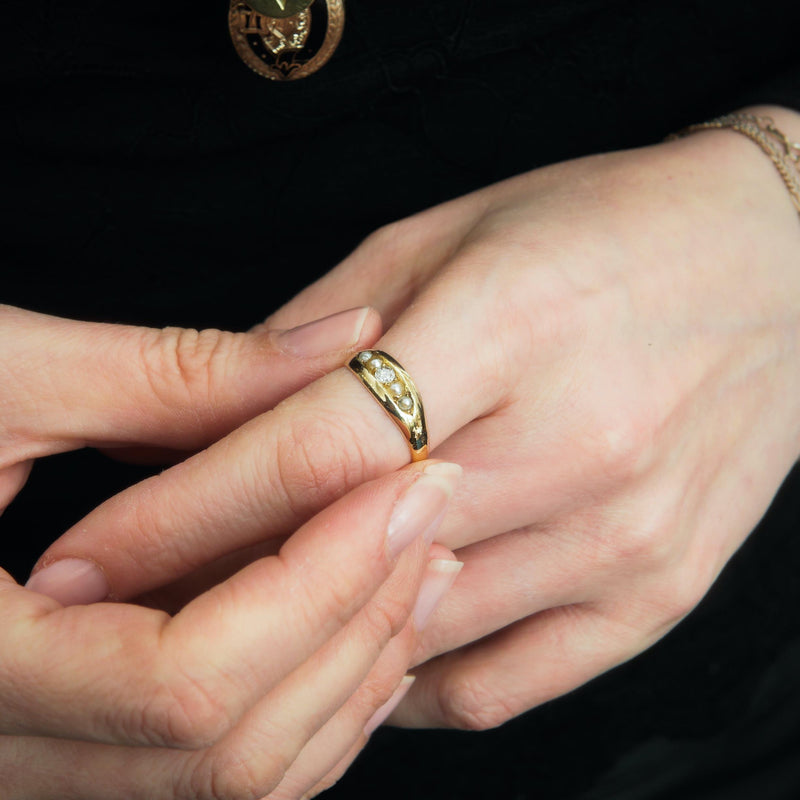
(754,165)
(759,219)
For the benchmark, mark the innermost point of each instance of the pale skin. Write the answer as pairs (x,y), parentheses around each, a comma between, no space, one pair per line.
(608,347)
(116,700)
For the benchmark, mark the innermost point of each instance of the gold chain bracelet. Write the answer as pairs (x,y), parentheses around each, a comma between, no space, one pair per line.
(784,153)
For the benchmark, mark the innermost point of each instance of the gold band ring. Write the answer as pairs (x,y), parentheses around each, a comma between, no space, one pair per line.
(393,388)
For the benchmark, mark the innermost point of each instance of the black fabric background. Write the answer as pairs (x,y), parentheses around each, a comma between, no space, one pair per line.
(149,177)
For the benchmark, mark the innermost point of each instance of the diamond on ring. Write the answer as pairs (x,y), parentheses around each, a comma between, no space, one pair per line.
(385,375)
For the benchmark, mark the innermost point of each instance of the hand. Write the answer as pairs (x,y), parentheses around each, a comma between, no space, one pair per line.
(281,665)
(288,656)
(608,347)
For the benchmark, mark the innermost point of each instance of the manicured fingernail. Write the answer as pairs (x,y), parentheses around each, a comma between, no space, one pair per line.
(380,716)
(419,511)
(440,576)
(337,332)
(71,581)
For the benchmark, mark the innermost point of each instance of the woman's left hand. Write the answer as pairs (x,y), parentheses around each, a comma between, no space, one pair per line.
(609,347)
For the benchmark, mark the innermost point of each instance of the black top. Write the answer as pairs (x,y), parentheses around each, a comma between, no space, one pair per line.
(150,177)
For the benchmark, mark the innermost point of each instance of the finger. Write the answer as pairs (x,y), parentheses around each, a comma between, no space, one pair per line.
(311,449)
(273,736)
(329,754)
(378,695)
(58,769)
(270,737)
(510,577)
(387,270)
(12,479)
(527,664)
(143,678)
(508,481)
(118,385)
(328,701)
(330,779)
(173,597)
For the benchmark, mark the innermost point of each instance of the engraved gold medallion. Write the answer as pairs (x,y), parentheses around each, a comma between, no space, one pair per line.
(285,48)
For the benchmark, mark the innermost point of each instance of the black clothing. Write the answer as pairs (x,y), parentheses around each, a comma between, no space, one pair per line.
(149,177)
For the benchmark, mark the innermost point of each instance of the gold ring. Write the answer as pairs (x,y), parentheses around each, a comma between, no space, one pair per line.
(393,388)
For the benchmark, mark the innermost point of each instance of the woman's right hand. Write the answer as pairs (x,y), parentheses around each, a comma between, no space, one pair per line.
(117,701)
(269,677)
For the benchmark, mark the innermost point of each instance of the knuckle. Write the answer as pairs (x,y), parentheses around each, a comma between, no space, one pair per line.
(385,617)
(678,595)
(317,459)
(617,446)
(182,363)
(328,782)
(230,776)
(146,526)
(386,248)
(382,236)
(386,240)
(469,704)
(326,602)
(643,546)
(650,541)
(676,606)
(374,692)
(185,714)
(329,600)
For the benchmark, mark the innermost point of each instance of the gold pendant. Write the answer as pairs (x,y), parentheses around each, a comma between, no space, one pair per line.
(286,48)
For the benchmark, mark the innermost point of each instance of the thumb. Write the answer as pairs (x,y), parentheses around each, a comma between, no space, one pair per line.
(66,384)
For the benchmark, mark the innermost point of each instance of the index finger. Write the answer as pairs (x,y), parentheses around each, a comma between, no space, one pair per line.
(278,470)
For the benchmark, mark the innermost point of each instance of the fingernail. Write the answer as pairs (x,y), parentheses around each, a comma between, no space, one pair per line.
(419,511)
(71,581)
(337,332)
(380,716)
(440,576)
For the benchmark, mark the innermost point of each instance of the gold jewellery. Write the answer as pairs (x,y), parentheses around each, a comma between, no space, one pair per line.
(784,153)
(393,388)
(284,40)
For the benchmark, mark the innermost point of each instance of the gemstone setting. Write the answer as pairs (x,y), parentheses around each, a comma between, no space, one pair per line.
(385,375)
(393,388)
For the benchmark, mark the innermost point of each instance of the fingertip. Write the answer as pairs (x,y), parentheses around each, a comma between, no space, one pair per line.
(371,330)
(421,508)
(70,581)
(440,575)
(438,552)
(383,713)
(340,332)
